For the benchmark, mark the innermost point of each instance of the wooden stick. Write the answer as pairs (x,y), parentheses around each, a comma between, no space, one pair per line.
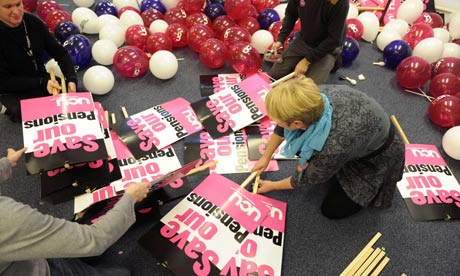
(426,96)
(106,114)
(360,260)
(255,187)
(202,167)
(125,113)
(400,130)
(53,78)
(419,94)
(249,179)
(368,261)
(370,8)
(382,17)
(114,120)
(374,263)
(380,267)
(63,86)
(362,253)
(285,78)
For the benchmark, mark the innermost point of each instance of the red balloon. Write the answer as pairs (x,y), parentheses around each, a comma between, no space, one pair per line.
(193,6)
(44,7)
(250,23)
(275,28)
(213,53)
(54,17)
(444,111)
(235,34)
(158,41)
(456,41)
(253,12)
(136,35)
(197,18)
(443,84)
(417,33)
(261,5)
(30,5)
(130,61)
(244,58)
(237,9)
(150,15)
(175,15)
(413,72)
(355,28)
(447,65)
(221,23)
(128,8)
(197,35)
(431,18)
(177,32)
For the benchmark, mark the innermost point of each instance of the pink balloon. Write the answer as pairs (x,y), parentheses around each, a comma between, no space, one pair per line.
(213,53)
(355,28)
(44,7)
(197,35)
(221,23)
(150,15)
(431,18)
(130,61)
(261,5)
(244,58)
(444,111)
(54,17)
(197,18)
(136,35)
(175,15)
(443,84)
(447,65)
(417,33)
(253,12)
(177,32)
(193,6)
(413,72)
(30,5)
(158,41)
(275,28)
(250,23)
(237,9)
(235,34)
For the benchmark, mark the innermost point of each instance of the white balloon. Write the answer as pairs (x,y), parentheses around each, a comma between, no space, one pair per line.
(450,142)
(430,49)
(98,80)
(53,64)
(281,9)
(163,64)
(261,40)
(114,33)
(451,50)
(352,12)
(398,25)
(454,26)
(91,27)
(442,34)
(107,19)
(409,11)
(84,3)
(130,18)
(81,16)
(371,25)
(386,37)
(169,3)
(103,51)
(119,4)
(158,26)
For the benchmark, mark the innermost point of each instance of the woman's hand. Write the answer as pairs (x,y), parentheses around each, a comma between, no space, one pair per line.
(261,165)
(53,87)
(138,191)
(72,87)
(266,186)
(301,67)
(13,156)
(276,46)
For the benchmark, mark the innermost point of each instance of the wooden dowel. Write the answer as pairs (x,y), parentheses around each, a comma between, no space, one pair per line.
(381,266)
(419,94)
(125,113)
(203,167)
(106,114)
(364,251)
(63,86)
(114,120)
(398,127)
(368,262)
(374,263)
(360,260)
(255,187)
(285,78)
(53,78)
(248,180)
(363,8)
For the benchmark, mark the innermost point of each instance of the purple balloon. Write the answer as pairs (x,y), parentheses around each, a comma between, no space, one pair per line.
(395,52)
(79,49)
(350,51)
(64,30)
(153,4)
(214,10)
(267,17)
(105,7)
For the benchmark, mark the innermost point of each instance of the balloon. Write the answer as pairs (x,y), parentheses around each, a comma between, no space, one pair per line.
(169,4)
(244,58)
(431,18)
(55,66)
(398,25)
(152,4)
(127,8)
(193,6)
(451,50)
(121,4)
(54,17)
(251,24)
(114,33)
(175,15)
(30,5)
(158,26)
(214,10)
(197,35)
(454,26)
(450,142)
(163,65)
(237,9)
(79,49)
(442,34)
(150,15)
(430,49)
(253,12)
(267,17)
(443,84)
(235,34)
(64,30)
(213,53)
(107,19)
(103,51)
(261,5)
(81,16)
(221,23)
(447,65)
(409,11)
(385,37)
(355,28)
(157,42)
(98,80)
(197,18)
(130,62)
(261,40)
(352,12)
(371,25)
(350,51)
(280,9)
(417,33)
(395,52)
(136,35)
(105,7)
(275,28)
(84,3)
(444,111)
(44,7)
(130,18)
(177,32)
(413,72)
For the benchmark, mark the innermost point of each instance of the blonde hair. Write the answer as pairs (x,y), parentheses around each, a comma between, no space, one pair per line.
(296,99)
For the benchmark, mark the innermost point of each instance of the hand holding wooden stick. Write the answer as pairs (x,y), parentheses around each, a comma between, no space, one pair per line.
(53,79)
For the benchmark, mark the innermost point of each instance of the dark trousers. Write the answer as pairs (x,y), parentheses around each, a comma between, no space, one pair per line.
(76,267)
(337,204)
(12,102)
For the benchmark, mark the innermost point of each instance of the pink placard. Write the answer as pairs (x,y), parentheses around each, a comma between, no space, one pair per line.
(423,154)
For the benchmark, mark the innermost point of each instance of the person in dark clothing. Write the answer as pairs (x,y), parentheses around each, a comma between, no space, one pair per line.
(317,44)
(343,137)
(24,39)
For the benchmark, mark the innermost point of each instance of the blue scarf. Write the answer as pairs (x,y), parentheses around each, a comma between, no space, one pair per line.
(311,139)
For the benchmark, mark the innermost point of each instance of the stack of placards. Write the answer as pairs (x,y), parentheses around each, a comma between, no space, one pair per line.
(210,84)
